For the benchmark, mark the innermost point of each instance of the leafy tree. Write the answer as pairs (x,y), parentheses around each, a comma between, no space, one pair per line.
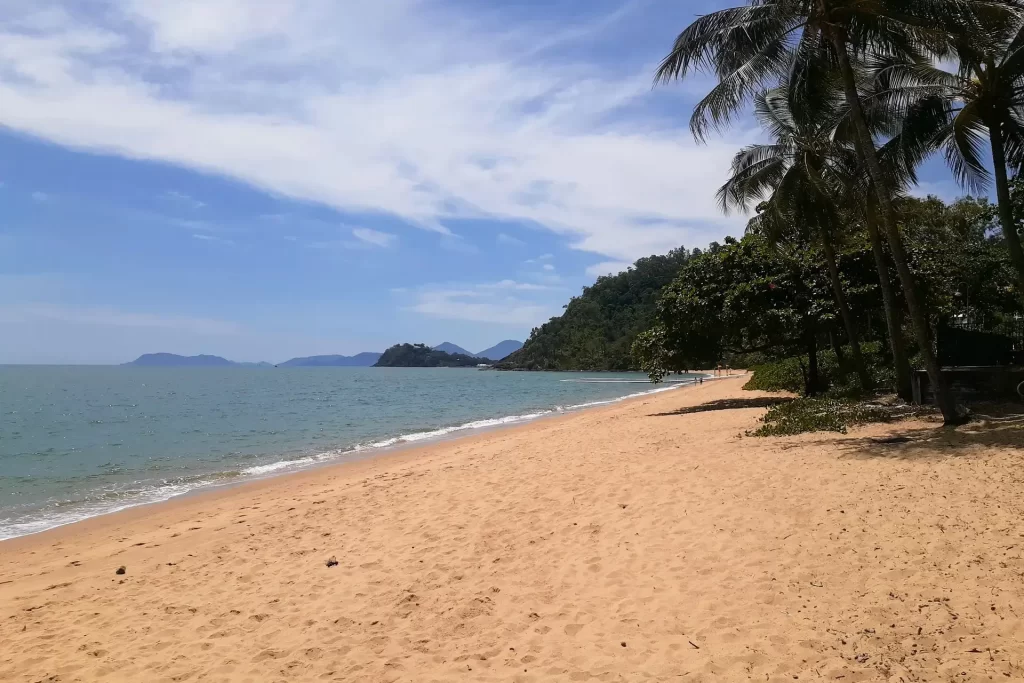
(956,111)
(800,171)
(958,257)
(804,42)
(740,297)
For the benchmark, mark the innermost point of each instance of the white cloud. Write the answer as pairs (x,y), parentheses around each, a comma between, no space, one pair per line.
(608,268)
(510,241)
(212,238)
(397,107)
(548,267)
(40,197)
(110,317)
(375,237)
(546,257)
(508,302)
(183,199)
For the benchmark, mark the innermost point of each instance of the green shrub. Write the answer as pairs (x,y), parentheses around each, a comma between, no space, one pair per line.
(780,375)
(839,379)
(828,414)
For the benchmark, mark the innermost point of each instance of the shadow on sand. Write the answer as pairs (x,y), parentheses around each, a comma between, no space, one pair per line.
(729,404)
(935,442)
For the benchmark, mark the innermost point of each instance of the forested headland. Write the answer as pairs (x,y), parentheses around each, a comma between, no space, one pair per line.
(845,280)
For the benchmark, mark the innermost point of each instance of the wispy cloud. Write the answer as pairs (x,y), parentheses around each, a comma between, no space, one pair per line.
(462,113)
(183,199)
(111,317)
(608,268)
(458,245)
(375,238)
(212,238)
(40,197)
(509,241)
(359,238)
(548,267)
(507,302)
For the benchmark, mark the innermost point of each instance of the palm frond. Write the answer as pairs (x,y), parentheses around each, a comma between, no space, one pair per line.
(737,33)
(965,148)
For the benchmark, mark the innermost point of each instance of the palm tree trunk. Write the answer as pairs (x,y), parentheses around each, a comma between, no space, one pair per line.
(812,382)
(1005,207)
(837,347)
(893,313)
(866,148)
(844,311)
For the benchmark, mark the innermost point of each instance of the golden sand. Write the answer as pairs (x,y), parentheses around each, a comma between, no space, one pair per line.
(643,541)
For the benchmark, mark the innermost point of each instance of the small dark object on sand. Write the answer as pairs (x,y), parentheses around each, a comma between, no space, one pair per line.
(121,570)
(331,562)
(623,643)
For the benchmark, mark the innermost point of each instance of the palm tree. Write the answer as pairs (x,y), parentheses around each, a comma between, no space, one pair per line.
(955,112)
(893,311)
(800,41)
(797,169)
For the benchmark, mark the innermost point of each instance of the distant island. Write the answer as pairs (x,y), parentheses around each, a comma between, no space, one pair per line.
(422,356)
(448,355)
(173,360)
(360,360)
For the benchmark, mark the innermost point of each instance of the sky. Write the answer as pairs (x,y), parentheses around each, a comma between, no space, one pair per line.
(262,180)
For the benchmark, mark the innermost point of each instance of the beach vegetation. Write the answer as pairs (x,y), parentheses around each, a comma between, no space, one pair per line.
(830,414)
(852,103)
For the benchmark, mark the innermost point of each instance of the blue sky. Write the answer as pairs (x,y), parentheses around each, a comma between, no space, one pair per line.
(267,180)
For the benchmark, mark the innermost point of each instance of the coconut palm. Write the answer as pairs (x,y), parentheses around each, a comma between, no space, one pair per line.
(957,111)
(798,42)
(796,169)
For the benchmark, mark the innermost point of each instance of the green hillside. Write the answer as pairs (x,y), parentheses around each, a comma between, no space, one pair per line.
(597,328)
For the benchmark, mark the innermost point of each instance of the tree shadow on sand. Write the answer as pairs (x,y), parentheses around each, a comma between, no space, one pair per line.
(729,404)
(936,442)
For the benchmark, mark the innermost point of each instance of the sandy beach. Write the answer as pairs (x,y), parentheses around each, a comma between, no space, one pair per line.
(643,541)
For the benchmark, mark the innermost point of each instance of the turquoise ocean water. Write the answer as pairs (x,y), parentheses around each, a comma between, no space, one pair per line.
(76,442)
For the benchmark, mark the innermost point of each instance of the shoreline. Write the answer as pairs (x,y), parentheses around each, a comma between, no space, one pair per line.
(394,446)
(645,539)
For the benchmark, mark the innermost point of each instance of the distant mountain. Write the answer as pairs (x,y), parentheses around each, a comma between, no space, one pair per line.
(173,360)
(501,349)
(448,347)
(422,356)
(360,360)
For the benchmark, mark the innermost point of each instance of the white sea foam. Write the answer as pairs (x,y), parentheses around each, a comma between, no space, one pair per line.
(49,519)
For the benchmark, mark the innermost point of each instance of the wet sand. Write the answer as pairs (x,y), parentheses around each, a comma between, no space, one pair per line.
(647,540)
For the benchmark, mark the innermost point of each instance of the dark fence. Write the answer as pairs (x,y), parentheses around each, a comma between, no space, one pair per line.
(998,383)
(975,341)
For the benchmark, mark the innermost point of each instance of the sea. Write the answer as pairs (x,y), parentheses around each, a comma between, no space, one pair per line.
(81,441)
